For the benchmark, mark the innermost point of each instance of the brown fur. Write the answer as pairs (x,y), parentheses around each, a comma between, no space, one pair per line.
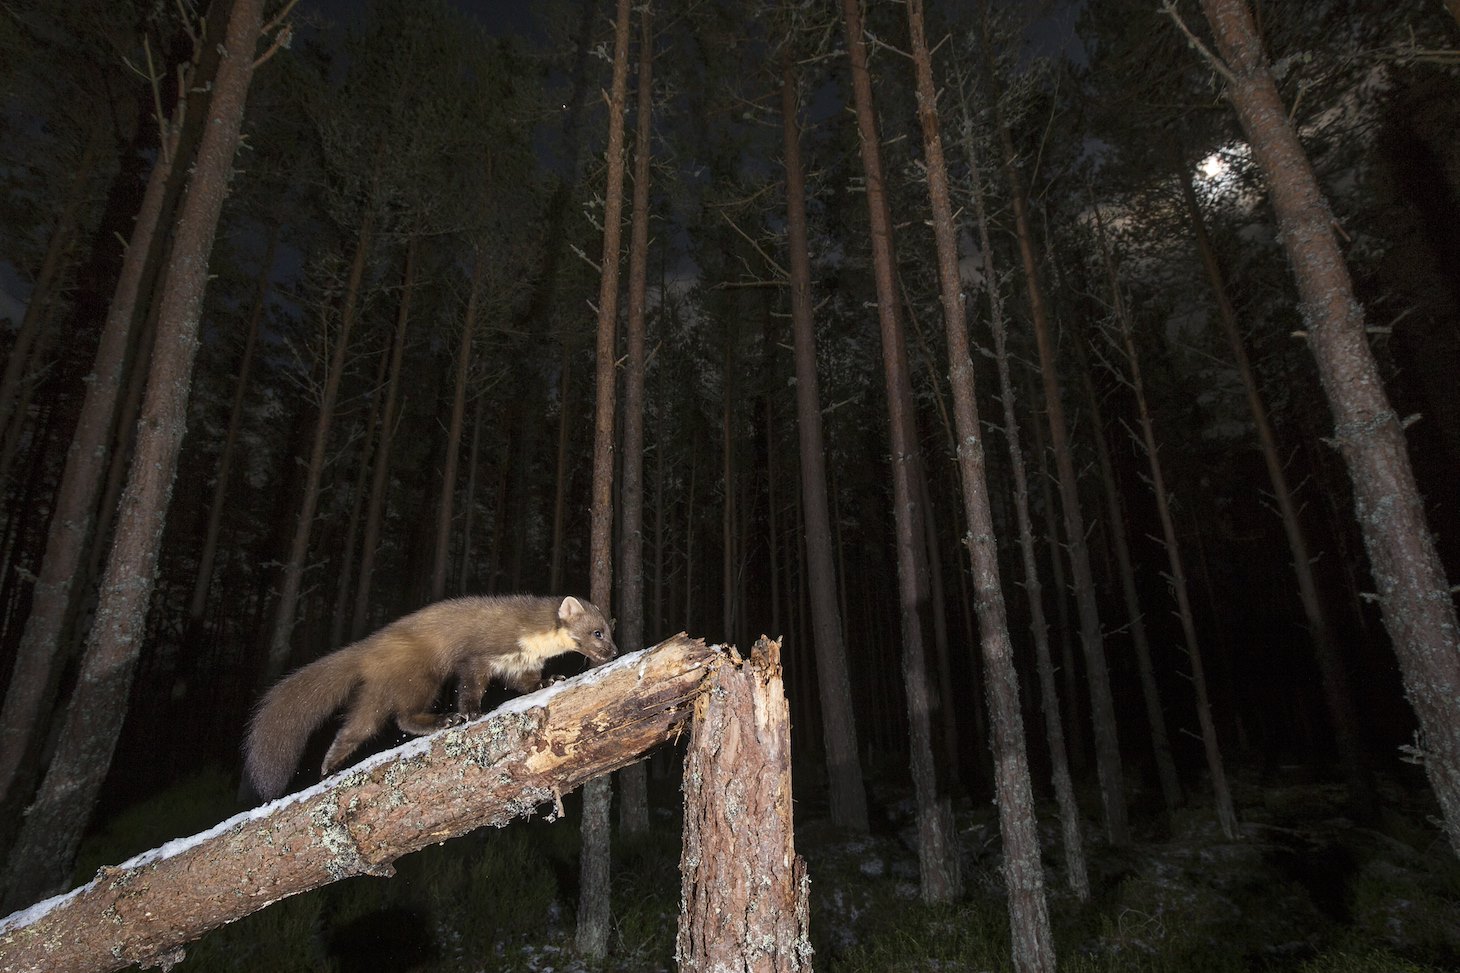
(397,672)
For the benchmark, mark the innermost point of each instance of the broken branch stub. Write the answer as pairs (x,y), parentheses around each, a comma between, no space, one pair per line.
(745,893)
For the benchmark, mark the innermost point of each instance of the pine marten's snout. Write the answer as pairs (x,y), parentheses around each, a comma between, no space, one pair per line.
(599,646)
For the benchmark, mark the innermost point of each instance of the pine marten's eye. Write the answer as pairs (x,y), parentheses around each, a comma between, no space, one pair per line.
(598,634)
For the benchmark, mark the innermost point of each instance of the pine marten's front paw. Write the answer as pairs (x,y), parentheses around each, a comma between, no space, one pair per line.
(450,719)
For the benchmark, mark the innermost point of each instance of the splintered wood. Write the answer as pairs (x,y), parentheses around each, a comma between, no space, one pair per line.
(522,757)
(745,890)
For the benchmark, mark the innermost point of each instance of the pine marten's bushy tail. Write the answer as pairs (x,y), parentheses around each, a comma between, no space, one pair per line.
(289,713)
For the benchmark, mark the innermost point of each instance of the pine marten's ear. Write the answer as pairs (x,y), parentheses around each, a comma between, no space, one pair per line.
(571,606)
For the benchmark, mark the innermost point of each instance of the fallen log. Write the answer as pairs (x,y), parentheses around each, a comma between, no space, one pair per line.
(527,753)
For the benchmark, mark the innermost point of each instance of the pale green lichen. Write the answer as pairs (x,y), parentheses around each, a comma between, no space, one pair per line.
(344,855)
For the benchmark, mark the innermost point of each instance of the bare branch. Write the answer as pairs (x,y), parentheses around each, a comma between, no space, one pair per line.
(1168,7)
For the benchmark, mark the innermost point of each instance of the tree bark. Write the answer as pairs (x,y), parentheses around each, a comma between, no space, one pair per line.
(1102,701)
(661,447)
(463,580)
(1076,872)
(453,436)
(1140,641)
(689,537)
(46,848)
(633,781)
(380,475)
(846,793)
(201,585)
(594,902)
(938,601)
(33,680)
(1415,599)
(47,279)
(1074,721)
(937,845)
(1221,793)
(728,392)
(1033,943)
(340,615)
(124,423)
(527,754)
(1337,693)
(292,579)
(561,477)
(39,352)
(745,906)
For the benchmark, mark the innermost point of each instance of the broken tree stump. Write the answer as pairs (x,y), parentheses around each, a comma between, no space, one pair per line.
(745,896)
(521,756)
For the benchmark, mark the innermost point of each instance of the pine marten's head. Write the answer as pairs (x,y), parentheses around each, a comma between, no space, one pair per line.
(589,629)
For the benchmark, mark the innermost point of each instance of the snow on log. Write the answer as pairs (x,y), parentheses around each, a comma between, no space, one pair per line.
(744,904)
(527,753)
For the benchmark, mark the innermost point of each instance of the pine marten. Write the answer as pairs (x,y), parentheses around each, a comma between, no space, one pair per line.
(398,671)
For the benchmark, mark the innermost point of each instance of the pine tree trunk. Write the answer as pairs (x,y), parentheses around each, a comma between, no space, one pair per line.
(1221,793)
(124,436)
(380,474)
(1336,691)
(727,475)
(983,766)
(633,782)
(1224,654)
(344,584)
(773,536)
(1074,717)
(746,895)
(199,601)
(1033,944)
(19,537)
(453,437)
(594,902)
(47,337)
(846,793)
(1140,641)
(1414,596)
(689,538)
(660,448)
(293,574)
(939,602)
(937,844)
(46,849)
(1102,701)
(561,477)
(47,280)
(470,498)
(1076,872)
(35,676)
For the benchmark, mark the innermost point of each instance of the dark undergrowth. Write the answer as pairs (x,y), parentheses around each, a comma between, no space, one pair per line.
(1305,889)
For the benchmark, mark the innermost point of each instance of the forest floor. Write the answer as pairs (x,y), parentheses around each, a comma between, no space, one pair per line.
(1304,889)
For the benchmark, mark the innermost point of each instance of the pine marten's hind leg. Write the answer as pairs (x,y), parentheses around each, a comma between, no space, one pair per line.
(420,724)
(361,723)
(377,699)
(413,712)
